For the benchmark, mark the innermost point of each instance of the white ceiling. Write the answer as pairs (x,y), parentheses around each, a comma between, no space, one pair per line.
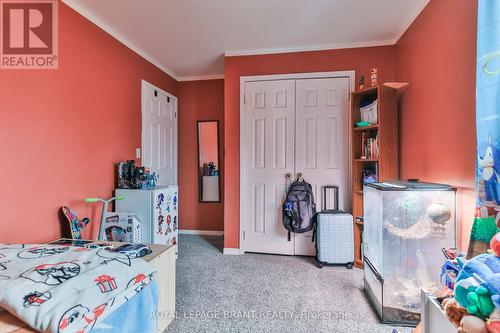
(188,38)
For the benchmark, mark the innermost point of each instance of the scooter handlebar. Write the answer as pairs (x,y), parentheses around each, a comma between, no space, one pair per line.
(118,197)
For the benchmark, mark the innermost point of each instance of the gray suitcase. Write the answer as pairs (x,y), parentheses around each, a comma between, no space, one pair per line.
(334,234)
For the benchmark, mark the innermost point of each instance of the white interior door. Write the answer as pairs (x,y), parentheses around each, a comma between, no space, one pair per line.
(159,133)
(321,142)
(268,157)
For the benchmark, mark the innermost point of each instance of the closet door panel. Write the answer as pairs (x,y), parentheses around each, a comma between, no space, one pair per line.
(268,157)
(321,141)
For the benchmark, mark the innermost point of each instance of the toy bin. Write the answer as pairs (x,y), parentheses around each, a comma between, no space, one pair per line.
(406,224)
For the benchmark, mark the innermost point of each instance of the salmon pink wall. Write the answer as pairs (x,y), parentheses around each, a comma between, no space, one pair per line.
(208,143)
(359,59)
(198,100)
(437,55)
(62,130)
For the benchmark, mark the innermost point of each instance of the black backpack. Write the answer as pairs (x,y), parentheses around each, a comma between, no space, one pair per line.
(299,208)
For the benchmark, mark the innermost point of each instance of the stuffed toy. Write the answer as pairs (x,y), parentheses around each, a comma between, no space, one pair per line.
(493,323)
(495,244)
(477,286)
(472,324)
(454,312)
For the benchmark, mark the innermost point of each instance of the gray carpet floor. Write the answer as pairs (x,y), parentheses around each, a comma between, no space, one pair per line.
(266,293)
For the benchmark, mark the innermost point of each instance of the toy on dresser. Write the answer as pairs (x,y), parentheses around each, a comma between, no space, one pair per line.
(475,307)
(123,227)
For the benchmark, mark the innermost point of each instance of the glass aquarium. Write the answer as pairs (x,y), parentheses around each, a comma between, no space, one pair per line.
(406,224)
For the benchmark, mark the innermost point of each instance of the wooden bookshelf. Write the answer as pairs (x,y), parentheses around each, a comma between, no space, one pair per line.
(386,163)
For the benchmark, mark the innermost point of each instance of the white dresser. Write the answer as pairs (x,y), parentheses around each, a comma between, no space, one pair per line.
(433,318)
(157,210)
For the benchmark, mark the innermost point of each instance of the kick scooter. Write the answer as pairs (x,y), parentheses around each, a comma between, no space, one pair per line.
(101,236)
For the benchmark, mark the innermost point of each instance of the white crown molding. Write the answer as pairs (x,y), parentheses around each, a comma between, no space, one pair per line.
(201,232)
(122,39)
(232,251)
(311,48)
(405,26)
(200,78)
(232,53)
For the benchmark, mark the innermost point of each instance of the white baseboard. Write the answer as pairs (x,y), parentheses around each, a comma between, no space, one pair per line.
(232,251)
(201,232)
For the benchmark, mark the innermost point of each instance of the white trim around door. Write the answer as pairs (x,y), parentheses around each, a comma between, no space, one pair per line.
(350,75)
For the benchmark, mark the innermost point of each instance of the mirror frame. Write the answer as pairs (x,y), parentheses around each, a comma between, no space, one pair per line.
(200,190)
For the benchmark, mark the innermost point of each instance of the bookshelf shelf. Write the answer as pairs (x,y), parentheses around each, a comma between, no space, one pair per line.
(366,128)
(367,90)
(366,160)
(386,134)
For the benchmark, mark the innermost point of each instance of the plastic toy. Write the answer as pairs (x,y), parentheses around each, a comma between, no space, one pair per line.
(123,227)
(449,272)
(209,169)
(131,176)
(477,286)
(76,225)
(452,253)
(105,246)
(101,235)
(133,250)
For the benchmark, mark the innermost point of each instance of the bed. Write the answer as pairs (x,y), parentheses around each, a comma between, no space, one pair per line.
(132,316)
(125,310)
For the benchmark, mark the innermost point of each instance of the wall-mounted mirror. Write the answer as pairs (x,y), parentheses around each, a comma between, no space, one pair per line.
(208,161)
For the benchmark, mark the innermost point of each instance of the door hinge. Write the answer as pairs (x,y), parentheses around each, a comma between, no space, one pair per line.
(244,98)
(243,234)
(175,114)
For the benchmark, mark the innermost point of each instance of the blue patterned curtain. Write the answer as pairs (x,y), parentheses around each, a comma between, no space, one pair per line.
(488,126)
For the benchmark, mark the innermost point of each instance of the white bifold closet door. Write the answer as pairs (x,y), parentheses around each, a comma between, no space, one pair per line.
(291,126)
(269,156)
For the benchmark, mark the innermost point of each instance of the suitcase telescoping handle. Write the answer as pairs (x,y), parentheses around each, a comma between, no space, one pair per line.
(335,189)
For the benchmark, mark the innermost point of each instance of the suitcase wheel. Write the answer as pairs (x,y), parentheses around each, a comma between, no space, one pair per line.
(319,264)
(349,265)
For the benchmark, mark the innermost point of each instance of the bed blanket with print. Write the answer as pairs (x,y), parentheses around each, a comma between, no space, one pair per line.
(56,288)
